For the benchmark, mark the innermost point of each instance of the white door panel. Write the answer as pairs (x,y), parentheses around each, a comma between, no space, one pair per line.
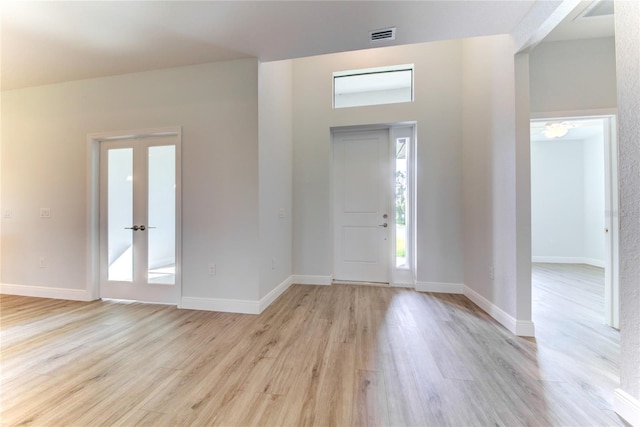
(362,195)
(360,244)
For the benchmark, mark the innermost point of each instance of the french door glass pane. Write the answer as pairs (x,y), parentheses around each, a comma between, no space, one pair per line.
(162,214)
(120,214)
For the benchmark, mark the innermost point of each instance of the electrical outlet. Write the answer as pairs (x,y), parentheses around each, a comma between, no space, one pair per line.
(281,213)
(42,262)
(212,269)
(273,263)
(45,212)
(492,273)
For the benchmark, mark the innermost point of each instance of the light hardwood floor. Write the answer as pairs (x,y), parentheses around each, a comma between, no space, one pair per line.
(320,355)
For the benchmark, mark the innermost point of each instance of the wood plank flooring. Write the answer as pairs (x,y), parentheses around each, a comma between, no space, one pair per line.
(320,355)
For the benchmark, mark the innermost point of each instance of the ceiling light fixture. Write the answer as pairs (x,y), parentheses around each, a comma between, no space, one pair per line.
(558,129)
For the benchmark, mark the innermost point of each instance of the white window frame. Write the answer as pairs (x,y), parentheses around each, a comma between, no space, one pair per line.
(377,70)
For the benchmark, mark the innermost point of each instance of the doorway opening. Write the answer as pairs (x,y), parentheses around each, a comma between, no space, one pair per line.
(574,199)
(373,204)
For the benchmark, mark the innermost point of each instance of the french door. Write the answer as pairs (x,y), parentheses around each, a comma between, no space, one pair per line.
(362,206)
(139,219)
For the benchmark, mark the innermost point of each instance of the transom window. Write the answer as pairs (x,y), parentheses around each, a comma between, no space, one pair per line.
(373,86)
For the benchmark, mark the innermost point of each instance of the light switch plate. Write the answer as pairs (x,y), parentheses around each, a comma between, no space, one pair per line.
(7,213)
(45,212)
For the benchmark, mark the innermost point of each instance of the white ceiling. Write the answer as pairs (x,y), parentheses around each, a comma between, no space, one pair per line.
(48,41)
(53,41)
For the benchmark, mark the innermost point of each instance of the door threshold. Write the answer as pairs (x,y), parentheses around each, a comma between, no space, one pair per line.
(347,282)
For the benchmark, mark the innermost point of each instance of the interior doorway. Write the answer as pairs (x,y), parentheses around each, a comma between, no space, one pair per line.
(574,198)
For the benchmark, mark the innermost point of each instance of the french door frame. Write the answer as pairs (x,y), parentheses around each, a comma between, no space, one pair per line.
(399,277)
(93,200)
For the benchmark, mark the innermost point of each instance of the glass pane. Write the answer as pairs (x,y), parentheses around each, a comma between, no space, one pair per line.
(120,214)
(162,214)
(401,202)
(373,88)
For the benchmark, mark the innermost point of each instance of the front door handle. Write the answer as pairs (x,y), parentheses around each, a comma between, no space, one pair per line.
(385,225)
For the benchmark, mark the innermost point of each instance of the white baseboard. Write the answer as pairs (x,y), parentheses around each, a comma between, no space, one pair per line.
(525,328)
(235,305)
(220,304)
(402,285)
(517,327)
(46,292)
(311,280)
(594,262)
(439,287)
(568,260)
(627,407)
(274,294)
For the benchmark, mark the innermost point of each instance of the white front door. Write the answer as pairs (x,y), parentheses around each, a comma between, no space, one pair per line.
(138,219)
(362,201)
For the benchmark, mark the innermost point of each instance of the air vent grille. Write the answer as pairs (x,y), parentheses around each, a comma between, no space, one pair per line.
(382,35)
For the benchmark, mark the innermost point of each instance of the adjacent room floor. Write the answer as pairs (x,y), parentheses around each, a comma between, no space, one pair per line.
(320,355)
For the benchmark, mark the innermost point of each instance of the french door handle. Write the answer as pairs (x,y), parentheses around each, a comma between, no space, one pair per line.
(385,225)
(138,227)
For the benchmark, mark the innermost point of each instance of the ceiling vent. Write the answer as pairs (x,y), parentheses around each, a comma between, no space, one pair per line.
(382,35)
(598,8)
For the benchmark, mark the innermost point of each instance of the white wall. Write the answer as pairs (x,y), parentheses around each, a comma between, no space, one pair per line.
(436,110)
(627,18)
(573,75)
(557,199)
(490,178)
(567,201)
(275,155)
(44,142)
